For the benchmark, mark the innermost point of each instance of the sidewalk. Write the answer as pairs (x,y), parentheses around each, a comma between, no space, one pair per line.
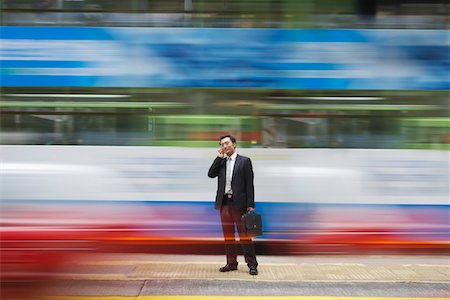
(421,269)
(192,277)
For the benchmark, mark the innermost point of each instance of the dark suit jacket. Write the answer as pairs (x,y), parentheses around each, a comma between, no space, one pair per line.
(241,183)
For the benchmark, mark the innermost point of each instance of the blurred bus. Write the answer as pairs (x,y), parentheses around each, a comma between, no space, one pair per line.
(259,118)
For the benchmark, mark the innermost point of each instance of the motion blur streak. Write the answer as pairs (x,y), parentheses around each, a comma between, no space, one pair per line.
(110,198)
(111,111)
(234,298)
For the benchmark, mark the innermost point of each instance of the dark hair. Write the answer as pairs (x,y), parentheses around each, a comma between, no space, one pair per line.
(232,138)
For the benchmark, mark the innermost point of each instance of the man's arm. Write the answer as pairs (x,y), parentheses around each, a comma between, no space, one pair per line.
(215,167)
(249,187)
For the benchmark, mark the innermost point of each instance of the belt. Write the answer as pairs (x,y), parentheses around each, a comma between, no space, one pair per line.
(228,195)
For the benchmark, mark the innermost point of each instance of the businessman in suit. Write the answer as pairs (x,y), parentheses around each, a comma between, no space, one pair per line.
(235,197)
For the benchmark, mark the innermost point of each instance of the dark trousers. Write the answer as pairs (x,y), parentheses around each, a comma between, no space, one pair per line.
(231,217)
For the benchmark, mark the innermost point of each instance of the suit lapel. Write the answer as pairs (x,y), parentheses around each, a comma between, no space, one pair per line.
(237,163)
(223,170)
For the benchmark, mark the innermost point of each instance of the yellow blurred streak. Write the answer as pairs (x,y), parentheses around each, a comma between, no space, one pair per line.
(195,297)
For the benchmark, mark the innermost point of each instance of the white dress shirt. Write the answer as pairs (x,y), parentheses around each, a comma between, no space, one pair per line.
(229,172)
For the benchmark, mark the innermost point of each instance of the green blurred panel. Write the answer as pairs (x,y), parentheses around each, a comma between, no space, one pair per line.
(186,143)
(186,128)
(91,104)
(334,7)
(257,6)
(427,122)
(205,120)
(427,146)
(386,107)
(426,133)
(198,130)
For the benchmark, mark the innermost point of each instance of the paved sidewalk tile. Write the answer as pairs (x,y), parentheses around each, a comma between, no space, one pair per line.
(283,271)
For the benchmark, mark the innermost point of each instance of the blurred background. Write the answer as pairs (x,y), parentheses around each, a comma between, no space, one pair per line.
(111,113)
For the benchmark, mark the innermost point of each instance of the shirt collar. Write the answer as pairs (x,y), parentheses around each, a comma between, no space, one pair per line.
(233,157)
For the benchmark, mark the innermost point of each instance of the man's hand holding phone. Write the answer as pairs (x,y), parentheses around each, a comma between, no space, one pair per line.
(220,153)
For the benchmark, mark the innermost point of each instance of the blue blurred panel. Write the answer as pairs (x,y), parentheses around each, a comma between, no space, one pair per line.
(54,33)
(240,58)
(48,80)
(41,64)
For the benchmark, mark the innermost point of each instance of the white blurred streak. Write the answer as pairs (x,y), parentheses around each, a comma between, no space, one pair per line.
(310,172)
(24,168)
(179,174)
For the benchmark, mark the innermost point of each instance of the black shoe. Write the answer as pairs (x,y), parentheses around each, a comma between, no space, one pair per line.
(228,268)
(253,270)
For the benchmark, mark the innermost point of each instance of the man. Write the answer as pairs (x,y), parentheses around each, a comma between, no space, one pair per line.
(235,197)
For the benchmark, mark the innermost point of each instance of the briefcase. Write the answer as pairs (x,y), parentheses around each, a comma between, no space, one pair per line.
(253,224)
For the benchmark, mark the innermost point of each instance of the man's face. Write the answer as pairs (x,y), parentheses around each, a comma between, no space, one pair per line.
(228,147)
